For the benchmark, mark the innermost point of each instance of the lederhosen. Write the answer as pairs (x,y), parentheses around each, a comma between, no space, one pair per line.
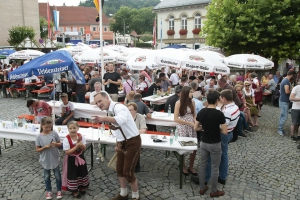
(127,155)
(77,176)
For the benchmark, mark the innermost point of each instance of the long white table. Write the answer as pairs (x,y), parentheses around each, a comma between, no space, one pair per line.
(83,110)
(157,100)
(93,135)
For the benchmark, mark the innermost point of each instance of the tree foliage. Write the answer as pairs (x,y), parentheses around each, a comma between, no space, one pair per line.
(18,34)
(138,20)
(112,6)
(264,27)
(43,24)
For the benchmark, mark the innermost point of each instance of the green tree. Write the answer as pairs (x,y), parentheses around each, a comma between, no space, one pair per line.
(117,23)
(18,34)
(264,27)
(44,27)
(140,21)
(87,3)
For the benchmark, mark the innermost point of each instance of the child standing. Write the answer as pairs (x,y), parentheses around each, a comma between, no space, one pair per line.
(75,173)
(47,144)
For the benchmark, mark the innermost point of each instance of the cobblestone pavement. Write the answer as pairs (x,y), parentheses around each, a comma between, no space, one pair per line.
(262,166)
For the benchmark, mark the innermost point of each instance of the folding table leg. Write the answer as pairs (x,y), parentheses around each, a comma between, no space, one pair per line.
(4,140)
(180,169)
(11,142)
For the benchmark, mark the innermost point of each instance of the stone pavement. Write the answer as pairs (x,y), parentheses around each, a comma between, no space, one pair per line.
(262,166)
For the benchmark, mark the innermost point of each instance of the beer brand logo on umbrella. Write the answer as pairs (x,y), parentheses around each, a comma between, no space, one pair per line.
(52,62)
(104,54)
(196,58)
(140,59)
(251,60)
(124,54)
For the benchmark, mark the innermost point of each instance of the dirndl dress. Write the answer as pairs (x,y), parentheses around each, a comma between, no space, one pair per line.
(75,170)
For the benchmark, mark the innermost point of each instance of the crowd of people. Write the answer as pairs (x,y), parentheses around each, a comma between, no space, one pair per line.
(215,108)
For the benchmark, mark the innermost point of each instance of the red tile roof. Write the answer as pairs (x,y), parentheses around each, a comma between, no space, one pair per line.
(73,15)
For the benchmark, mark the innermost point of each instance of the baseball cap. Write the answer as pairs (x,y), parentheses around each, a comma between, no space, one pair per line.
(212,74)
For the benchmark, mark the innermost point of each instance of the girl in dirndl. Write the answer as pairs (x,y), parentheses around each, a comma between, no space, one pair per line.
(75,174)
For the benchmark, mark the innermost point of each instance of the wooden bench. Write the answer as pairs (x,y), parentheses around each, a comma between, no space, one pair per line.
(19,90)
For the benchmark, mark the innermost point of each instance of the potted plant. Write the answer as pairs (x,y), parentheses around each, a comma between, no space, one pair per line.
(183,32)
(170,32)
(196,31)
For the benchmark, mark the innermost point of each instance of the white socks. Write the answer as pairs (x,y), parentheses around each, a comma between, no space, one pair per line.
(123,192)
(135,194)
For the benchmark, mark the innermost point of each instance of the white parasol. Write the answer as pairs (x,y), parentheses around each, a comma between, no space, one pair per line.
(248,61)
(26,54)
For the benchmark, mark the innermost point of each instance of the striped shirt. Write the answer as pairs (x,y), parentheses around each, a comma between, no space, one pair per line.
(232,114)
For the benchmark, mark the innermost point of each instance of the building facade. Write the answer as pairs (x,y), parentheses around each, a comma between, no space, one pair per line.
(181,22)
(18,13)
(79,23)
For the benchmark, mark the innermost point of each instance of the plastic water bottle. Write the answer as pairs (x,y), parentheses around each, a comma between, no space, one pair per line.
(169,110)
(171,137)
(16,123)
(108,85)
(176,134)
(23,121)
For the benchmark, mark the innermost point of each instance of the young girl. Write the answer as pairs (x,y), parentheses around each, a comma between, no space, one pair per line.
(47,144)
(75,173)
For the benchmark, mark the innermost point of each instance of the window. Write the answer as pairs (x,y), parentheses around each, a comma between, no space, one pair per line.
(61,29)
(68,29)
(105,28)
(75,29)
(183,22)
(94,28)
(81,29)
(171,23)
(197,20)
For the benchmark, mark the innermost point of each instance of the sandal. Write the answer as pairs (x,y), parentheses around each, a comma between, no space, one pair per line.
(77,195)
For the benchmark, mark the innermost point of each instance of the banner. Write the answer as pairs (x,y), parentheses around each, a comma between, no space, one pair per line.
(154,33)
(56,19)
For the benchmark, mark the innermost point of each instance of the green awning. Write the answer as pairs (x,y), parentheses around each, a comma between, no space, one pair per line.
(2,57)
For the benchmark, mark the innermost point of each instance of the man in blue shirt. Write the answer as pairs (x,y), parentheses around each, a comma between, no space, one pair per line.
(284,99)
(199,105)
(277,77)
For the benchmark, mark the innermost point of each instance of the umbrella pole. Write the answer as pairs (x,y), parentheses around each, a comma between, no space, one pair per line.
(53,109)
(102,43)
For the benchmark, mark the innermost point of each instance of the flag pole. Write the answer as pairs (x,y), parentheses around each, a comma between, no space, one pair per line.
(101,42)
(160,33)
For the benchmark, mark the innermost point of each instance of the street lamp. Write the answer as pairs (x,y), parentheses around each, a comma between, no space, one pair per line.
(124,25)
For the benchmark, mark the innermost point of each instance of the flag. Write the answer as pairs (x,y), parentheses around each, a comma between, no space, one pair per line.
(48,19)
(97,2)
(154,33)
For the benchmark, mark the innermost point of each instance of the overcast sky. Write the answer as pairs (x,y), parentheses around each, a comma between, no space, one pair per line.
(60,2)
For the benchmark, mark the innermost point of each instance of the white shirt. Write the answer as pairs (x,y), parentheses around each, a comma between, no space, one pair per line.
(142,86)
(66,145)
(232,115)
(124,119)
(296,91)
(33,77)
(92,96)
(66,109)
(174,79)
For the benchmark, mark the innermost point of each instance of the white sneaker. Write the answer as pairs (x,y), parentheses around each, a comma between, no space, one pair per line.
(280,133)
(48,195)
(59,195)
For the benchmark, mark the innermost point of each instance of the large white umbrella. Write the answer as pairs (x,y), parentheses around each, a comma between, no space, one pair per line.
(144,59)
(26,54)
(76,49)
(126,55)
(94,56)
(202,62)
(171,57)
(248,61)
(213,54)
